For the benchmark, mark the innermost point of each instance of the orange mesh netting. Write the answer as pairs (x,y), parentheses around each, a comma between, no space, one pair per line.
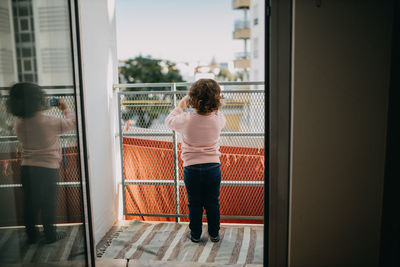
(69,207)
(153,160)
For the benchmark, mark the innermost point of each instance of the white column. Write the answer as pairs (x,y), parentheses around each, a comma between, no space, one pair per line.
(100,68)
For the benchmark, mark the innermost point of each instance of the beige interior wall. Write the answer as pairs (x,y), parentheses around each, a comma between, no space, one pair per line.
(340,87)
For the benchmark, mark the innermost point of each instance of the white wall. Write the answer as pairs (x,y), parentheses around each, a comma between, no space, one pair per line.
(257,35)
(341,70)
(100,66)
(257,60)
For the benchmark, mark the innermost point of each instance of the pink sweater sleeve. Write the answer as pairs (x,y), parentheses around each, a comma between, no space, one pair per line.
(67,123)
(222,119)
(175,119)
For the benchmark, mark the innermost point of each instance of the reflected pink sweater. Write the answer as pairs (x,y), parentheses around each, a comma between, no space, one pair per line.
(39,137)
(200,135)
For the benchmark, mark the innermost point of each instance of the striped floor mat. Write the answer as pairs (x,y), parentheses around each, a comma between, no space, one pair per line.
(15,250)
(168,242)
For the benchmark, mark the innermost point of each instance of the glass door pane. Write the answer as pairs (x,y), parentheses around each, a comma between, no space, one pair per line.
(42,193)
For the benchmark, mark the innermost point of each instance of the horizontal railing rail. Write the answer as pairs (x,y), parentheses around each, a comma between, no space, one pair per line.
(242,55)
(181,84)
(171,182)
(60,184)
(15,138)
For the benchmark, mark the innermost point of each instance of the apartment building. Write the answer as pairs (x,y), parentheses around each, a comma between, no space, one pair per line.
(242,33)
(257,37)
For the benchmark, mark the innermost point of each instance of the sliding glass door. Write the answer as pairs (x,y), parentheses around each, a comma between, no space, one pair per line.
(44,214)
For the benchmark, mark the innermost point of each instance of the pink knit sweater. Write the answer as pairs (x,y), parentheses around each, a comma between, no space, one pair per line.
(40,139)
(200,135)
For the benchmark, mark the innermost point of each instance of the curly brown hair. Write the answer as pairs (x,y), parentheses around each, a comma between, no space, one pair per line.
(25,99)
(205,96)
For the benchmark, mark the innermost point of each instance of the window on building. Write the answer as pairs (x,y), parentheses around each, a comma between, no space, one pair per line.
(24,24)
(255,14)
(255,47)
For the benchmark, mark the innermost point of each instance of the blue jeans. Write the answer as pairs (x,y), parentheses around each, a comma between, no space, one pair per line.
(202,182)
(40,197)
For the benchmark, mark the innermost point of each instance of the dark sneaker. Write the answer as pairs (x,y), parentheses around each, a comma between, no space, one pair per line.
(195,240)
(215,239)
(33,236)
(33,239)
(57,236)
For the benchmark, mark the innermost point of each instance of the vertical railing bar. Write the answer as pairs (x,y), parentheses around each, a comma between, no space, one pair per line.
(175,152)
(121,154)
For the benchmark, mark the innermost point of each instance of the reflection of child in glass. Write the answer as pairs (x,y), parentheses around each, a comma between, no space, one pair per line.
(200,154)
(38,135)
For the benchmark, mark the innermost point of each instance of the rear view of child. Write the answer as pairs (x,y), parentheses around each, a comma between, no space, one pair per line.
(38,135)
(200,154)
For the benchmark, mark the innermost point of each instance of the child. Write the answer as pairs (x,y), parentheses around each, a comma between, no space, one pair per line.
(200,154)
(41,155)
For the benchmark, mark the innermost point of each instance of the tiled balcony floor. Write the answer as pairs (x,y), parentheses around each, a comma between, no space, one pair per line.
(14,250)
(166,242)
(149,263)
(240,245)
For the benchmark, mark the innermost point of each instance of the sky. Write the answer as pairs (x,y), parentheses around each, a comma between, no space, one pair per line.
(177,30)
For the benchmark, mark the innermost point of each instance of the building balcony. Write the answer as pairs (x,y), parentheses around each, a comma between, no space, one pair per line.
(242,63)
(241,34)
(241,4)
(242,60)
(241,29)
(241,55)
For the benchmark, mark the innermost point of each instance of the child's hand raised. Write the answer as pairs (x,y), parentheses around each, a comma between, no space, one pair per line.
(62,106)
(183,103)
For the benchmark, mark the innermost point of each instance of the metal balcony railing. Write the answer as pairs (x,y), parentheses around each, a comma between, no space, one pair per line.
(152,170)
(242,55)
(241,24)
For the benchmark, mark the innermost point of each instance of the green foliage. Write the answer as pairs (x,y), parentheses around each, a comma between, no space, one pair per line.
(225,75)
(147,70)
(239,76)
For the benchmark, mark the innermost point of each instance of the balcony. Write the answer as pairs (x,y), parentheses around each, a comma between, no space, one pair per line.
(242,60)
(241,29)
(154,198)
(241,4)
